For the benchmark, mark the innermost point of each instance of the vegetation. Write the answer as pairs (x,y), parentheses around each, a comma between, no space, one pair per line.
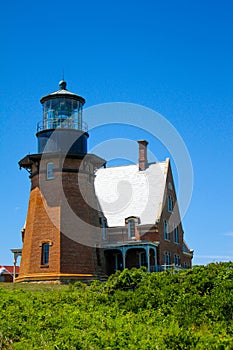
(191,309)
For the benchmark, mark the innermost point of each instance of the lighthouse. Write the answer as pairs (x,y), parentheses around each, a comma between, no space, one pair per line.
(62,234)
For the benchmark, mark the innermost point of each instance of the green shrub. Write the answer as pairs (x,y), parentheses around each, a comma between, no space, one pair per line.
(192,309)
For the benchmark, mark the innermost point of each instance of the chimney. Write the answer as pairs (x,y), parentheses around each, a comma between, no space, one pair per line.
(142,160)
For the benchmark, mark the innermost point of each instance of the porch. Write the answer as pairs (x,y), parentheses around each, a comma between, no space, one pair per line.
(131,254)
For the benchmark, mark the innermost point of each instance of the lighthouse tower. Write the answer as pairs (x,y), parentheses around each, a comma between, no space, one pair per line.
(62,235)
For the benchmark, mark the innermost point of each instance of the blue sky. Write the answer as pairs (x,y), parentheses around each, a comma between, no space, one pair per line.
(174,57)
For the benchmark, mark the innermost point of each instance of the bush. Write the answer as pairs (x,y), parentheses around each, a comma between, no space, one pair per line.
(192,309)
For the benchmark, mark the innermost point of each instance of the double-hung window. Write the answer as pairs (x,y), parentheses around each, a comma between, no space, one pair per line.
(131,228)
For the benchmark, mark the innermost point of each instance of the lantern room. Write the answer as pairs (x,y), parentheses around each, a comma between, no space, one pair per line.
(62,120)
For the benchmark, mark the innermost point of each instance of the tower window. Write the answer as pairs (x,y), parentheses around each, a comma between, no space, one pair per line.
(50,171)
(103,227)
(170,203)
(45,254)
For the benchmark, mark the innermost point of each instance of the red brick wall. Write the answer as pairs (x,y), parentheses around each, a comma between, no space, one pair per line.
(172,217)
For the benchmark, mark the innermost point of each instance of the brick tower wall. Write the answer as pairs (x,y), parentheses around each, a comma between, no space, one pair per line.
(58,214)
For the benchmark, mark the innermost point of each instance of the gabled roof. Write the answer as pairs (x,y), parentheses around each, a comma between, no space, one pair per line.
(125,191)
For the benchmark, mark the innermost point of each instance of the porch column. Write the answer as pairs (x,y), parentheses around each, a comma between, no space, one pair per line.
(17,253)
(148,257)
(123,256)
(155,257)
(116,261)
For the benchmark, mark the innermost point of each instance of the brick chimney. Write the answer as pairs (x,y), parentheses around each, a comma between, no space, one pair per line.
(142,160)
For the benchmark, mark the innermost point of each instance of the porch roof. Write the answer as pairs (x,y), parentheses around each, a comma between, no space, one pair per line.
(132,244)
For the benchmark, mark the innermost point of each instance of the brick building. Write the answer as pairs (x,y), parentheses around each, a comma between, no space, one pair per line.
(72,231)
(145,228)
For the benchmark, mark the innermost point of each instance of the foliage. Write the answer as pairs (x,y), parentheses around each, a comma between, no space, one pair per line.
(191,309)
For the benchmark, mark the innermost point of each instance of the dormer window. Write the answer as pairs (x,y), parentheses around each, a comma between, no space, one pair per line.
(131,228)
(50,175)
(131,224)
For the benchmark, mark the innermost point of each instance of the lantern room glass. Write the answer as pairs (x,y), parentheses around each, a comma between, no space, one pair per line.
(61,112)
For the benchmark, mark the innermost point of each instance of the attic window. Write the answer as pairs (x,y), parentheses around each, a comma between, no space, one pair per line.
(170,203)
(169,186)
